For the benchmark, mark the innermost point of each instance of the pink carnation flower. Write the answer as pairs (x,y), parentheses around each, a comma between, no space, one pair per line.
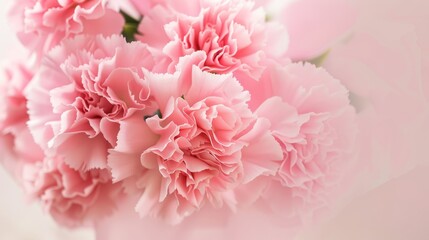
(203,142)
(312,119)
(13,110)
(13,118)
(233,35)
(83,88)
(145,6)
(72,197)
(42,24)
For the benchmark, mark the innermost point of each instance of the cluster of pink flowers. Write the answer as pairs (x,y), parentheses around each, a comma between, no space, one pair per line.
(182,106)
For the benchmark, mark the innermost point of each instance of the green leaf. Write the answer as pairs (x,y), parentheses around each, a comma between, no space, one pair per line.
(318,61)
(130,28)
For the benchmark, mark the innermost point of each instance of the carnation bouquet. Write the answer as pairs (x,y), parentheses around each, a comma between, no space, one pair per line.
(218,119)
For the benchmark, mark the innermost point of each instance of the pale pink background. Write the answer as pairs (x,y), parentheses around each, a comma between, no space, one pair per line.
(396,210)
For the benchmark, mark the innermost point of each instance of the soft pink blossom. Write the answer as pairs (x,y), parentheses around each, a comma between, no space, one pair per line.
(191,7)
(72,197)
(83,88)
(234,35)
(315,26)
(13,110)
(13,119)
(126,6)
(203,142)
(385,64)
(42,24)
(145,6)
(313,121)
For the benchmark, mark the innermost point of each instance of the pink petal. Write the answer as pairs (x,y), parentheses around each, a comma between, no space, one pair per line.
(314,26)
